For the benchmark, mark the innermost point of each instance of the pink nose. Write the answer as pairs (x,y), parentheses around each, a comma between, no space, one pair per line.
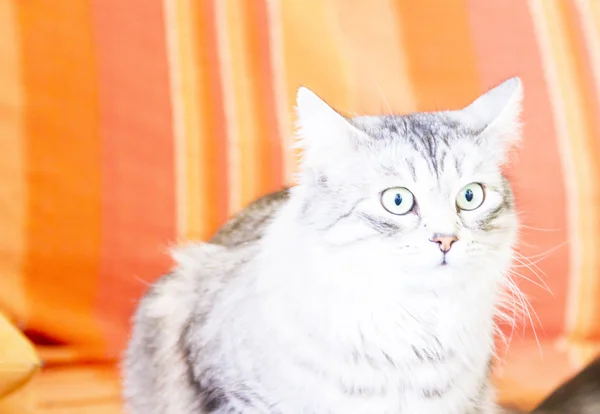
(445,241)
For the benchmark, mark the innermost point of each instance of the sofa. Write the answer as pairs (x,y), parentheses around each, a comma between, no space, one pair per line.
(129,127)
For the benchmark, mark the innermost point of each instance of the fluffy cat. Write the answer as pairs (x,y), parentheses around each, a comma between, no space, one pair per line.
(373,289)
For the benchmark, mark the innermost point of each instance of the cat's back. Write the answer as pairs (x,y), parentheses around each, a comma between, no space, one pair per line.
(202,271)
(157,376)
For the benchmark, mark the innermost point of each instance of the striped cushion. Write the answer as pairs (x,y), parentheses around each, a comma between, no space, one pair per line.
(127,126)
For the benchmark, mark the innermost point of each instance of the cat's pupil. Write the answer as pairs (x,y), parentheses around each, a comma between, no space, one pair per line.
(398,199)
(469,195)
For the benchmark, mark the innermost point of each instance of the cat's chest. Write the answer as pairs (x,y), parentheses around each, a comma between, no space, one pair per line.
(419,386)
(378,375)
(426,370)
(399,355)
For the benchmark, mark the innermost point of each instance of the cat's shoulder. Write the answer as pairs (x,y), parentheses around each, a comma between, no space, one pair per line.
(202,260)
(200,271)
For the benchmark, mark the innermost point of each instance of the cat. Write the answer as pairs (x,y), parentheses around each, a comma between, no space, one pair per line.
(578,395)
(249,224)
(370,287)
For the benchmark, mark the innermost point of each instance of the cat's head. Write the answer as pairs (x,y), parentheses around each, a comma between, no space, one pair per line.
(424,192)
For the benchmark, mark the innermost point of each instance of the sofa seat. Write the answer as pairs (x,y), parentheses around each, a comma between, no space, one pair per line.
(528,373)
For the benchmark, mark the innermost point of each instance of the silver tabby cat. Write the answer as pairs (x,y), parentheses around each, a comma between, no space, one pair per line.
(371,288)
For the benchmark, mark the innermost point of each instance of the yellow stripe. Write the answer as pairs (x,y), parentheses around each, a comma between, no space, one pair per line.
(245,106)
(574,132)
(374,42)
(196,112)
(172,26)
(187,108)
(13,218)
(196,225)
(589,17)
(561,121)
(595,10)
(284,117)
(227,62)
(243,78)
(589,297)
(589,12)
(314,57)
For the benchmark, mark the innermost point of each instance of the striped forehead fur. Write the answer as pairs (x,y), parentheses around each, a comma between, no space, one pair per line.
(429,134)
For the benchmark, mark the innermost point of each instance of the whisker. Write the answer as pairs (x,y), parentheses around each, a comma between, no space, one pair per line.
(533,268)
(549,251)
(542,285)
(385,101)
(524,226)
(514,305)
(142,281)
(527,310)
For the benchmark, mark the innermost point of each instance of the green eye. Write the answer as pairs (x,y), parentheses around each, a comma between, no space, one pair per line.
(470,197)
(397,200)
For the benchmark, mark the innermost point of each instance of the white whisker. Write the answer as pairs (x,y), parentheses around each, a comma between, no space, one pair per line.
(534,269)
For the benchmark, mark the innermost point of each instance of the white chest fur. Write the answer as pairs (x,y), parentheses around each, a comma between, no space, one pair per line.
(370,351)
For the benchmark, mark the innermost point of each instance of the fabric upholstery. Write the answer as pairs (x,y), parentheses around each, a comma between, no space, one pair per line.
(18,363)
(126,127)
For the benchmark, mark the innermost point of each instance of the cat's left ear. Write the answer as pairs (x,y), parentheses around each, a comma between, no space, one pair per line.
(324,134)
(497,114)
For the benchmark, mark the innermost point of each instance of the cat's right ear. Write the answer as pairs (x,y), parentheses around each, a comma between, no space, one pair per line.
(497,114)
(322,132)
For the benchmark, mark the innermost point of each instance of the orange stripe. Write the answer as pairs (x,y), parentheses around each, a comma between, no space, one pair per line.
(501,54)
(246,78)
(198,110)
(63,168)
(215,157)
(13,299)
(373,38)
(555,29)
(314,57)
(270,158)
(588,301)
(438,43)
(138,183)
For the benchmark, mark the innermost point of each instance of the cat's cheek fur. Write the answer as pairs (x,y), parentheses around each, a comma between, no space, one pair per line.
(350,230)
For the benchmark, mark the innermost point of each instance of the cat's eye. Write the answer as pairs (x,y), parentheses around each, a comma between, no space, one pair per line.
(397,200)
(470,197)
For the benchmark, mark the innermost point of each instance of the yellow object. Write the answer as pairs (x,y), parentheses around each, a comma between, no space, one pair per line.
(18,363)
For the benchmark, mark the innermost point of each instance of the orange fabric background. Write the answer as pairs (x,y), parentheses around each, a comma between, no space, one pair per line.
(126,127)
